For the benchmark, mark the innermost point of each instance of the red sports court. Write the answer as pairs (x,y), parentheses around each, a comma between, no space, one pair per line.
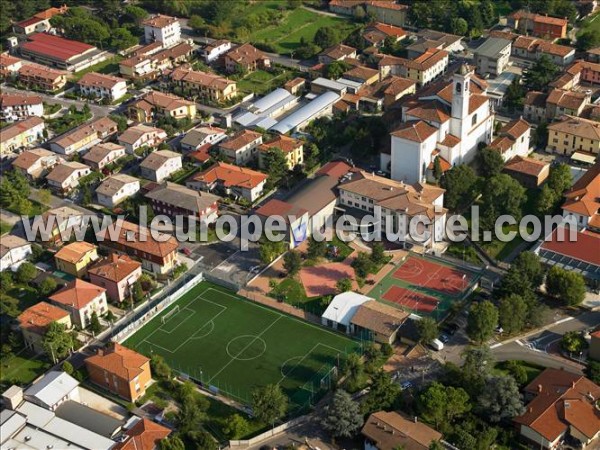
(424,273)
(412,300)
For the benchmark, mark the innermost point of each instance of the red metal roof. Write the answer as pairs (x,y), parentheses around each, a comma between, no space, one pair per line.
(55,46)
(585,248)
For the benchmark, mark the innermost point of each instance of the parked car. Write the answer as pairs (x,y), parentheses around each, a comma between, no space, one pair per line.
(437,345)
(406,385)
(444,338)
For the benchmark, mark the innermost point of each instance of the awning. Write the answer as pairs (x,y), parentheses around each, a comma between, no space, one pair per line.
(586,158)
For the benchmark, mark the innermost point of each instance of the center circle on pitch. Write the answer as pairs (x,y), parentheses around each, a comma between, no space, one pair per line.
(246,347)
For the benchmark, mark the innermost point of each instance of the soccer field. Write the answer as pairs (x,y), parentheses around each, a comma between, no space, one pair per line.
(234,345)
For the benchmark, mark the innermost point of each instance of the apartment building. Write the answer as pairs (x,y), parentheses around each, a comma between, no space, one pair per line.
(539,25)
(423,70)
(116,189)
(43,78)
(81,299)
(574,134)
(492,57)
(242,147)
(149,62)
(227,179)
(211,52)
(582,201)
(97,85)
(174,200)
(246,57)
(160,165)
(205,85)
(116,273)
(531,48)
(84,136)
(161,28)
(293,150)
(156,104)
(513,139)
(22,134)
(18,106)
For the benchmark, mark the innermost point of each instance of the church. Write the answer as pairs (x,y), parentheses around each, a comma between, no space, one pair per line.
(447,120)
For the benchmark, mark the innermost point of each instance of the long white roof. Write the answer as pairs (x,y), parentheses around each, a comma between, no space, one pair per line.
(343,307)
(307,112)
(52,387)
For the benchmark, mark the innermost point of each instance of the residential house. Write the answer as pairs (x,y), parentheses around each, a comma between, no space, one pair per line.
(293,149)
(18,106)
(81,299)
(98,85)
(34,322)
(534,106)
(21,134)
(247,58)
(103,154)
(337,52)
(594,351)
(116,189)
(121,371)
(36,163)
(539,25)
(54,227)
(582,201)
(492,57)
(363,75)
(392,430)
(144,435)
(295,86)
(157,252)
(377,321)
(74,258)
(345,7)
(593,55)
(388,12)
(161,28)
(139,136)
(385,93)
(9,65)
(84,136)
(65,177)
(513,139)
(40,77)
(530,173)
(160,164)
(149,62)
(14,250)
(560,405)
(574,134)
(428,39)
(201,136)
(376,33)
(531,48)
(39,22)
(241,148)
(174,200)
(52,390)
(363,192)
(449,120)
(211,52)
(424,69)
(230,180)
(154,105)
(206,86)
(560,102)
(116,273)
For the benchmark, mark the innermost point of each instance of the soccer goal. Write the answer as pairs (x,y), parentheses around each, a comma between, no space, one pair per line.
(168,315)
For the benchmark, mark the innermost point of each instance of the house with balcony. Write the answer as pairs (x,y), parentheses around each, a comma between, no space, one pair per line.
(18,106)
(155,105)
(84,136)
(81,299)
(103,154)
(98,85)
(75,258)
(246,57)
(36,163)
(139,136)
(64,178)
(34,322)
(22,134)
(116,189)
(293,150)
(160,165)
(242,147)
(206,86)
(41,77)
(163,29)
(14,250)
(116,273)
(174,200)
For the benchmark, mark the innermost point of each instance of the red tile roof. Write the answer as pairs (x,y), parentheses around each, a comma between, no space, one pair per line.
(584,196)
(37,317)
(144,435)
(115,267)
(230,175)
(120,361)
(527,166)
(335,169)
(276,207)
(77,294)
(55,46)
(417,131)
(284,143)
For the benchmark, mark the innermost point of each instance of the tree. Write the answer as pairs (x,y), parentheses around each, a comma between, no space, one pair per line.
(44,196)
(512,313)
(173,442)
(26,272)
(326,37)
(47,286)
(136,14)
(160,369)
(311,155)
(437,168)
(378,253)
(342,416)
(500,399)
(95,325)
(515,95)
(270,250)
(483,319)
(460,183)
(592,371)
(236,427)
(354,371)
(459,26)
(9,305)
(292,262)
(68,368)
(22,206)
(565,285)
(202,440)
(529,264)
(57,341)
(440,404)
(121,39)
(6,281)
(276,166)
(573,342)
(383,393)
(121,121)
(343,285)
(478,362)
(546,201)
(362,265)
(336,69)
(587,40)
(428,330)
(490,162)
(316,249)
(190,414)
(502,194)
(196,23)
(109,316)
(269,403)
(560,178)
(137,292)
(538,77)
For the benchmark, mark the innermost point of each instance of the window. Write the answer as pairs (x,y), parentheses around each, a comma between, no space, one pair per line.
(474,120)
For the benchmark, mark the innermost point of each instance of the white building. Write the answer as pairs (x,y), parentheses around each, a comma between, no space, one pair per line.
(160,165)
(13,251)
(241,148)
(65,177)
(162,28)
(36,162)
(117,188)
(492,57)
(342,308)
(18,106)
(101,155)
(513,139)
(140,136)
(81,299)
(52,390)
(450,123)
(198,137)
(102,86)
(212,51)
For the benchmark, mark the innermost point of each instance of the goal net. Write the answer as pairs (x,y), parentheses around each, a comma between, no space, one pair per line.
(171,313)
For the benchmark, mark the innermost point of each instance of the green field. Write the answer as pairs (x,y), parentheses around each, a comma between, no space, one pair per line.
(590,23)
(231,344)
(300,23)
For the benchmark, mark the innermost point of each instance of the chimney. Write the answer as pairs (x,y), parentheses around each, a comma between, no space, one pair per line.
(416,420)
(539,388)
(573,384)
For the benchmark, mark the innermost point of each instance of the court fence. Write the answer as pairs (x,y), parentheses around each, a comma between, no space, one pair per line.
(269,433)
(173,292)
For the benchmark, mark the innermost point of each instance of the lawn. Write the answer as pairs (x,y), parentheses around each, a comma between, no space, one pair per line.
(219,414)
(292,292)
(590,23)
(464,252)
(5,227)
(21,369)
(232,345)
(108,66)
(532,370)
(261,82)
(300,23)
(25,294)
(36,209)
